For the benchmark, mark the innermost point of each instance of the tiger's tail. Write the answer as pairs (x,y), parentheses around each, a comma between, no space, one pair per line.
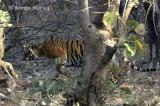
(141,69)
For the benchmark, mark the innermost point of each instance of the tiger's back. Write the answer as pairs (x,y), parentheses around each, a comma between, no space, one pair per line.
(52,48)
(59,48)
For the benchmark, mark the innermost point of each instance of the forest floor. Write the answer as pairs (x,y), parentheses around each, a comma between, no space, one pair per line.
(138,89)
(36,79)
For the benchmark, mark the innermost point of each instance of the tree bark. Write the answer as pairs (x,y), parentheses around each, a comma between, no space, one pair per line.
(97,55)
(93,45)
(5,66)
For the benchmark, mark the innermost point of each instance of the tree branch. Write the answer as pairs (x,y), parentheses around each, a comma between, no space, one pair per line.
(86,25)
(127,11)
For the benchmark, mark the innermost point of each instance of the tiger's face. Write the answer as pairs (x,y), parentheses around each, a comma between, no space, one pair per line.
(31,54)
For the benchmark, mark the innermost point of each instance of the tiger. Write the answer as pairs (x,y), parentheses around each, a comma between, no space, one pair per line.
(58,48)
(61,49)
(145,67)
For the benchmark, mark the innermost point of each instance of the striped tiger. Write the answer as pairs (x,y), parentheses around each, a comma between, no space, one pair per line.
(72,50)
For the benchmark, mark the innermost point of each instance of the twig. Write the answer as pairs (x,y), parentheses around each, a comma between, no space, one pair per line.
(10,76)
(4,96)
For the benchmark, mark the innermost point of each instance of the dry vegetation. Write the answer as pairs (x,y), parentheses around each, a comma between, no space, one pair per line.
(38,83)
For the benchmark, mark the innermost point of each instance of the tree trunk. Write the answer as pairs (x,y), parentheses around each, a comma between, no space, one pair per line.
(5,66)
(97,55)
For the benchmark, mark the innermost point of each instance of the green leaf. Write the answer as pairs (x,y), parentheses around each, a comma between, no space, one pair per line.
(126,90)
(140,45)
(5,18)
(109,18)
(137,43)
(130,49)
(140,29)
(132,37)
(136,2)
(132,24)
(133,46)
(7,24)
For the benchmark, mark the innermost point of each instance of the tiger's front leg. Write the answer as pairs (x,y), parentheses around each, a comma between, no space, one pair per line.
(60,65)
(58,68)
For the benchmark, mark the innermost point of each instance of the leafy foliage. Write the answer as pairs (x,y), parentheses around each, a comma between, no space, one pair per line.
(5,19)
(135,26)
(109,18)
(132,24)
(50,87)
(125,90)
(135,1)
(140,29)
(133,45)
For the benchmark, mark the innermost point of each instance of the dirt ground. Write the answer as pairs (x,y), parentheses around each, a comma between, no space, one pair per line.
(144,88)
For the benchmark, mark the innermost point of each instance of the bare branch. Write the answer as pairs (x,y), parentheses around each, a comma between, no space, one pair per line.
(87,26)
(127,11)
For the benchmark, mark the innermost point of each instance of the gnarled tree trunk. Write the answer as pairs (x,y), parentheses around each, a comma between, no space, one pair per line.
(5,66)
(97,55)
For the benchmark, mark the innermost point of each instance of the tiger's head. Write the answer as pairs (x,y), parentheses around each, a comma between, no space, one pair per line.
(31,53)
